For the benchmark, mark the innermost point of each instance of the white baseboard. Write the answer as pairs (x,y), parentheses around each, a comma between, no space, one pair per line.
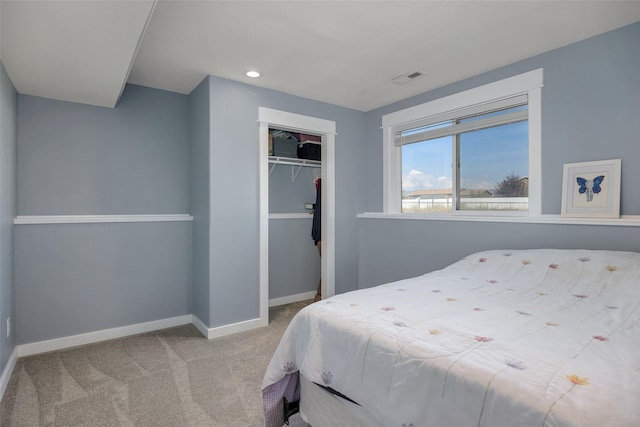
(292,298)
(233,328)
(200,326)
(107,334)
(8,370)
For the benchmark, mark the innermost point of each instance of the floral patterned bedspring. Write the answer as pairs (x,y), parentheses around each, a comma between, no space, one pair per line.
(501,338)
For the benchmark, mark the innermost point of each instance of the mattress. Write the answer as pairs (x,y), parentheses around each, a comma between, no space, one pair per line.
(500,338)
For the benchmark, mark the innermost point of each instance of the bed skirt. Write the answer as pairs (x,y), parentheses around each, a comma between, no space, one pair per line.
(289,388)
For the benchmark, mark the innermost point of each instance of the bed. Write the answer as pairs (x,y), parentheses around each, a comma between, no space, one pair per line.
(541,337)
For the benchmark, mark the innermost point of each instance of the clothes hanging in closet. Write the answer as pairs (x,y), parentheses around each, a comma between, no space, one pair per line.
(317,207)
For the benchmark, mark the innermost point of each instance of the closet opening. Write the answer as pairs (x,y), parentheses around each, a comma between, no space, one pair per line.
(296,166)
(295,240)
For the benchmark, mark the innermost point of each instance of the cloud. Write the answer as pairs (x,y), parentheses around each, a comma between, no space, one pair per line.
(417,180)
(445,180)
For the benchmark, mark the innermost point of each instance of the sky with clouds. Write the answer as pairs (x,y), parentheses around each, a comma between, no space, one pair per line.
(486,157)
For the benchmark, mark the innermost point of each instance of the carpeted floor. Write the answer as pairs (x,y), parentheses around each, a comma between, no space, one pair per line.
(172,377)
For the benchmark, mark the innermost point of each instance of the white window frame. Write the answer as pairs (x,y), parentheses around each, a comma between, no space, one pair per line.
(529,83)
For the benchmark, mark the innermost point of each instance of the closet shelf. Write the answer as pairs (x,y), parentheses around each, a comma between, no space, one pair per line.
(293,162)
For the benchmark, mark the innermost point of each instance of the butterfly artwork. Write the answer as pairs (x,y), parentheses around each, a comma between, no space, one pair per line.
(589,187)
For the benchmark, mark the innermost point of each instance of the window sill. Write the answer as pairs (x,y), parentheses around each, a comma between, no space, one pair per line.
(625,220)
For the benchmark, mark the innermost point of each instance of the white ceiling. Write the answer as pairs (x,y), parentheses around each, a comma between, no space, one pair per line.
(78,51)
(342,52)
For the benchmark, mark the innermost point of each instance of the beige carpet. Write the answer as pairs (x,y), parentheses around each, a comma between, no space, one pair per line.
(171,377)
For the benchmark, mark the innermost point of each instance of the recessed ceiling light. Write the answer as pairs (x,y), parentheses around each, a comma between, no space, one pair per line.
(253,74)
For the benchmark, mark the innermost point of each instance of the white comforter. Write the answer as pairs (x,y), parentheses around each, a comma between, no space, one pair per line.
(500,338)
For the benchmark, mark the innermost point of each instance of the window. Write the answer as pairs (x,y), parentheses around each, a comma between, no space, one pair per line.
(490,171)
(477,152)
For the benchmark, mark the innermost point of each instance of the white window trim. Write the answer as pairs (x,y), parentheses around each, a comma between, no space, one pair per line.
(529,83)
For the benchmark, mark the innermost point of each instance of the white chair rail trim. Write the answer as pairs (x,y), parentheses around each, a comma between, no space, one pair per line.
(87,219)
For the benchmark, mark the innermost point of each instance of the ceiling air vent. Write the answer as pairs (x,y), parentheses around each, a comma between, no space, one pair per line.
(406,78)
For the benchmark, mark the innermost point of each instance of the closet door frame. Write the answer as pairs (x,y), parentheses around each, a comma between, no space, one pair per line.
(269,118)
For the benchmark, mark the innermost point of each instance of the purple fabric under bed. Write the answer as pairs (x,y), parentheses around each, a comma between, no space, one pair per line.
(288,387)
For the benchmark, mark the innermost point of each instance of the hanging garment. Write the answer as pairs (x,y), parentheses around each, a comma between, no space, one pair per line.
(317,208)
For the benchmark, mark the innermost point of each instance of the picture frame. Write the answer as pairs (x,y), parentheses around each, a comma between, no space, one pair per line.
(591,189)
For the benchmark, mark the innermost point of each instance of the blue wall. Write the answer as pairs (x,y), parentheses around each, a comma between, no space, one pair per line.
(286,196)
(81,159)
(8,138)
(590,111)
(234,193)
(77,278)
(589,105)
(158,152)
(199,196)
(392,249)
(294,261)
(228,278)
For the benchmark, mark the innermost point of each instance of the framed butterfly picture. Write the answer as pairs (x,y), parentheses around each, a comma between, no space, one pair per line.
(591,189)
